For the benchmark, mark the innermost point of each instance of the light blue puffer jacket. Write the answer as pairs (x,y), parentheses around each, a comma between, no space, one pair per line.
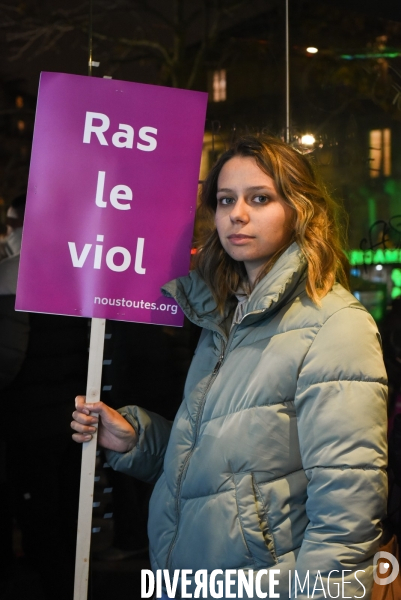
(277,456)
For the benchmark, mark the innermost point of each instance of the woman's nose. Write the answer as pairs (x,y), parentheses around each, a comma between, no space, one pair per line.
(239,211)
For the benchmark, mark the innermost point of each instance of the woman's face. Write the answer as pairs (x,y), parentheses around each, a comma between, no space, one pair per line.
(252,219)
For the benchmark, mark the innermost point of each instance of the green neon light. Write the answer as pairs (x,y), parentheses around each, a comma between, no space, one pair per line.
(380,256)
(370,55)
(396,277)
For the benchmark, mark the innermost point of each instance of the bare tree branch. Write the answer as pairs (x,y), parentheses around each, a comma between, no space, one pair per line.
(159,48)
(161,30)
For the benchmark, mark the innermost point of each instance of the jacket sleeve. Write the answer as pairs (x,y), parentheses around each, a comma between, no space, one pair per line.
(145,461)
(342,426)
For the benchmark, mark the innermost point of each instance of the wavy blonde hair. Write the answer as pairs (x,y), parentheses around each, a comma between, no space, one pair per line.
(316,222)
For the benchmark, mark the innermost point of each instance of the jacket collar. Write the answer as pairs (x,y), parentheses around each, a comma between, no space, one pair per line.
(274,290)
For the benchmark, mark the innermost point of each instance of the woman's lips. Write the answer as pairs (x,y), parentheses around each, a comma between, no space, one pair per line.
(238,238)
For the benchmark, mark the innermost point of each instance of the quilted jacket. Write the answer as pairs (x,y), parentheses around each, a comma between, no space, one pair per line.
(277,456)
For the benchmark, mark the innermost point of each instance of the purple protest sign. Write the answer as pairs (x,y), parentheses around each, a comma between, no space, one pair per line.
(111,198)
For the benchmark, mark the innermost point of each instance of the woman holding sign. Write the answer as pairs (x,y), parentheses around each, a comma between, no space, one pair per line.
(272,477)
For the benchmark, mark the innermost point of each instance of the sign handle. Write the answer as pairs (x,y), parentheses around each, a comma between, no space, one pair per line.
(88,464)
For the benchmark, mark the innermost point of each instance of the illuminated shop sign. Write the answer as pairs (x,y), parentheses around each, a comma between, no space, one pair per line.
(380,256)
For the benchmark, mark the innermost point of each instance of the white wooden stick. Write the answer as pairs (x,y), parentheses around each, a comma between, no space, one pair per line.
(88,464)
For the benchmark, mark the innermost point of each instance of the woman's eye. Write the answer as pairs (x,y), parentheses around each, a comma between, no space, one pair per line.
(261,199)
(225,201)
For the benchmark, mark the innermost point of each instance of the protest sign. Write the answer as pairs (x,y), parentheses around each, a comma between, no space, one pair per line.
(109,217)
(111,198)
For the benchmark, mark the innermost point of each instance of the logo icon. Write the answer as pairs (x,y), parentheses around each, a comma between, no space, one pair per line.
(383,567)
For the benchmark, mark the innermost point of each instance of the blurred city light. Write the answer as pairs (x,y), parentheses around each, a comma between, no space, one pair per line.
(370,55)
(312,50)
(307,139)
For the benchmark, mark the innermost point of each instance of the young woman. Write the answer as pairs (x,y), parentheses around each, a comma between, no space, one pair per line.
(274,468)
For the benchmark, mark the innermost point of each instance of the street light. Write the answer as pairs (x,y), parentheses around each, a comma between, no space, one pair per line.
(307,140)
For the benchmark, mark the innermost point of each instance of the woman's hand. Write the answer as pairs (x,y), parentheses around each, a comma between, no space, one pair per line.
(114,432)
